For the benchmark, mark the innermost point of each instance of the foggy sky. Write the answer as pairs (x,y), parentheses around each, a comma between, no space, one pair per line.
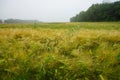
(43,10)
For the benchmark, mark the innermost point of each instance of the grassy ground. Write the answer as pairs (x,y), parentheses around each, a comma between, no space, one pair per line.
(60,51)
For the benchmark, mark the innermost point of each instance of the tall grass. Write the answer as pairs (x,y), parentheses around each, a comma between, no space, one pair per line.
(70,26)
(60,54)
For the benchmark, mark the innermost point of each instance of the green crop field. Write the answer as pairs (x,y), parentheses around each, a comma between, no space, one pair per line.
(60,51)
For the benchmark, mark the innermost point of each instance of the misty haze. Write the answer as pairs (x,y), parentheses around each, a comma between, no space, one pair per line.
(44,10)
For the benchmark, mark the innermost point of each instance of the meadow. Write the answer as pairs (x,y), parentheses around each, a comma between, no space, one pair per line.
(60,51)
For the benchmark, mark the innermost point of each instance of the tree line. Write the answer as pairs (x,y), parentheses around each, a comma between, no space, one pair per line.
(18,21)
(0,21)
(99,12)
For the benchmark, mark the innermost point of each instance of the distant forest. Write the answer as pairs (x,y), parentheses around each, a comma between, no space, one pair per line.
(18,21)
(99,12)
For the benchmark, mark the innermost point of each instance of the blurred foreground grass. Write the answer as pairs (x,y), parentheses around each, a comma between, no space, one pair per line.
(60,51)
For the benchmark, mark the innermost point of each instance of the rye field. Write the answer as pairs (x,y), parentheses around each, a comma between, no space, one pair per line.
(60,51)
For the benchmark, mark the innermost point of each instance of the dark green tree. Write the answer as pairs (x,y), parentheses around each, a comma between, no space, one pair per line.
(99,12)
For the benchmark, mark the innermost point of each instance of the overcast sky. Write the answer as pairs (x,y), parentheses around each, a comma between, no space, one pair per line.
(43,10)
